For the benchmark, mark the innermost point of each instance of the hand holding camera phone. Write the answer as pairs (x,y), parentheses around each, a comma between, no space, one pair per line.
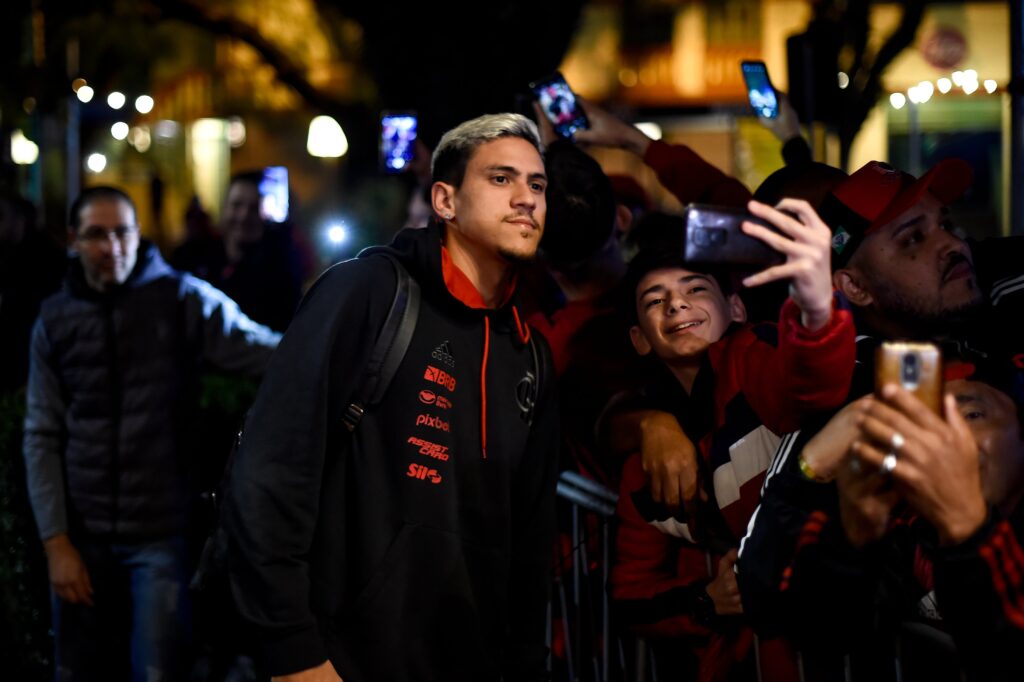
(764,100)
(560,105)
(916,367)
(790,240)
(714,236)
(931,455)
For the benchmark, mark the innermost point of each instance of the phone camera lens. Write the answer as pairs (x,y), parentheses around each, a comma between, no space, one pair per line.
(718,237)
(700,237)
(911,373)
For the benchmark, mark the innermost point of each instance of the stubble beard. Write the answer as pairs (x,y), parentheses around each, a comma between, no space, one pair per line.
(927,319)
(516,258)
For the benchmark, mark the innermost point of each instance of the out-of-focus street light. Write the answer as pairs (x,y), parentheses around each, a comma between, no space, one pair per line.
(990,86)
(116,100)
(897,100)
(337,234)
(85,94)
(144,104)
(96,162)
(140,138)
(945,85)
(326,139)
(925,90)
(24,151)
(236,131)
(119,130)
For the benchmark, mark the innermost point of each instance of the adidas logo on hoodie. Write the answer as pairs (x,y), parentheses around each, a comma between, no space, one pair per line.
(443,354)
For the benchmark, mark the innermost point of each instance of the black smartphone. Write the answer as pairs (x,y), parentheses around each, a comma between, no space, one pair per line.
(916,367)
(560,105)
(763,98)
(714,237)
(397,140)
(274,194)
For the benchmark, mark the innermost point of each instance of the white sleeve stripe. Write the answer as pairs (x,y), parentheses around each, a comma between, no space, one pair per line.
(781,456)
(998,297)
(998,287)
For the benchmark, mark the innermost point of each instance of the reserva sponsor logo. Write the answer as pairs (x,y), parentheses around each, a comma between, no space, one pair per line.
(433,422)
(439,376)
(423,473)
(431,398)
(438,452)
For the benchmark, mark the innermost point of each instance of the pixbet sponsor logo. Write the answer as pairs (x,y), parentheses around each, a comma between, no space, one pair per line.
(438,452)
(431,398)
(423,473)
(439,376)
(433,422)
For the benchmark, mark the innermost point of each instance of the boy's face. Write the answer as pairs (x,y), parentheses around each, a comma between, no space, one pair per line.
(680,313)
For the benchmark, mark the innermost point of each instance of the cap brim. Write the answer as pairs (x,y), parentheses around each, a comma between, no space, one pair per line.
(947,181)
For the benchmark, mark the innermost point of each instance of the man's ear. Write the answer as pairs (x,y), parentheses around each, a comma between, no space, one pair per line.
(851,284)
(623,219)
(442,200)
(737,309)
(640,343)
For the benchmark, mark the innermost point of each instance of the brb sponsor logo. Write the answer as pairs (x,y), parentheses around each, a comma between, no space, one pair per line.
(431,398)
(439,376)
(433,422)
(423,473)
(438,452)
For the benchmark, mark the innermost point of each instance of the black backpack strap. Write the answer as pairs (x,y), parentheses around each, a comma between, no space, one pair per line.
(390,347)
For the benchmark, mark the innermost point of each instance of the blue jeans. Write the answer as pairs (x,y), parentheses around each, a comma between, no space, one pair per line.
(138,628)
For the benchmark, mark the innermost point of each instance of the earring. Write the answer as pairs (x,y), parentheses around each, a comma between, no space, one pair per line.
(448,216)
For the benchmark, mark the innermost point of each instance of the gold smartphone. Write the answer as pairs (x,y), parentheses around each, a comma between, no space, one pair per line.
(915,366)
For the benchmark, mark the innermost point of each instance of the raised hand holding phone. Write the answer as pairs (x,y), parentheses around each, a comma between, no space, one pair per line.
(764,100)
(559,104)
(607,130)
(805,241)
(397,140)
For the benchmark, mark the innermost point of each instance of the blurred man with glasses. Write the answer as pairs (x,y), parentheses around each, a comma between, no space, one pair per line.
(113,377)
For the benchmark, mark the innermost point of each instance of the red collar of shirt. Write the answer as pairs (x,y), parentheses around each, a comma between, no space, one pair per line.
(462,288)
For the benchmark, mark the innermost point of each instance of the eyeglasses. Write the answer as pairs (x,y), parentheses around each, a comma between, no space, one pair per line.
(97,234)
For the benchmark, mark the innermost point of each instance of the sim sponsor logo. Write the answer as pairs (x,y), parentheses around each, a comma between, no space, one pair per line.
(423,473)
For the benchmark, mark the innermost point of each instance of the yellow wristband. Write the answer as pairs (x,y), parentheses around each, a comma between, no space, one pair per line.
(809,473)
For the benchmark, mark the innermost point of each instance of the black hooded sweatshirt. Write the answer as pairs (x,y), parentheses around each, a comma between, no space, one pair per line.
(417,547)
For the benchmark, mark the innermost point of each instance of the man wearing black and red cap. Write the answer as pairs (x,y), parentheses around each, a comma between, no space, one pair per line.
(897,260)
(894,253)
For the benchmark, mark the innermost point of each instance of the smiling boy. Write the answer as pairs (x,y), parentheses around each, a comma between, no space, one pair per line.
(741,385)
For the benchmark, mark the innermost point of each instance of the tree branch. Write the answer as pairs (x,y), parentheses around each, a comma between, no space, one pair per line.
(288,71)
(869,92)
